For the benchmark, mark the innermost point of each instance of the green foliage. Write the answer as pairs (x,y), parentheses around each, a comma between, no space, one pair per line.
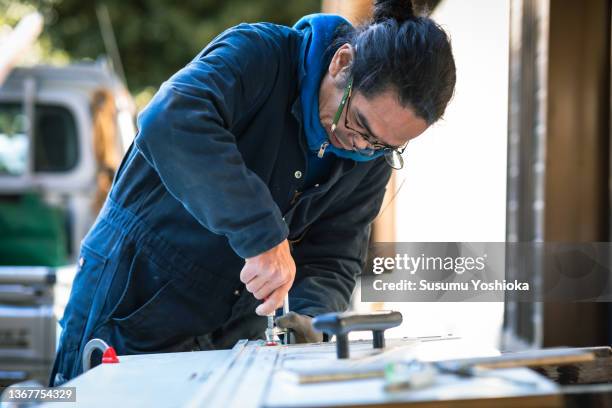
(155,37)
(12,11)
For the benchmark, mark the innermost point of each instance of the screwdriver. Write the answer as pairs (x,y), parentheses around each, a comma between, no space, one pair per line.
(289,336)
(272,331)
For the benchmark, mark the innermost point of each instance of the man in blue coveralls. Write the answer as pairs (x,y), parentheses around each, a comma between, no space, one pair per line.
(257,168)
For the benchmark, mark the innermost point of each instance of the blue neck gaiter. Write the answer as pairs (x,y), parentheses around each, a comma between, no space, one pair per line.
(318,32)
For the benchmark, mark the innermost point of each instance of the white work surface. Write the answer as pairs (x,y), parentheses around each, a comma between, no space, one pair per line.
(150,380)
(253,375)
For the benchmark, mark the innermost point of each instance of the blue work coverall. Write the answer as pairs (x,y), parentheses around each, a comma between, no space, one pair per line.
(215,175)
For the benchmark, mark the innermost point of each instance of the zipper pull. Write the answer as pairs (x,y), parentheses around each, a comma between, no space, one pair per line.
(322,150)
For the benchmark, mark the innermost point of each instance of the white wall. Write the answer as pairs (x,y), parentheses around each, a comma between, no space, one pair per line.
(455,173)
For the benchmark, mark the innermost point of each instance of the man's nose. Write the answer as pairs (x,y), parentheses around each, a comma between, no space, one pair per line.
(359,142)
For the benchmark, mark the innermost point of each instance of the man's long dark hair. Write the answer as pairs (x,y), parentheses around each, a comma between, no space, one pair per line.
(403,52)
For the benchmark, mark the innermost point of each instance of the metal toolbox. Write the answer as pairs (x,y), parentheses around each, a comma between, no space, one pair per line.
(27,323)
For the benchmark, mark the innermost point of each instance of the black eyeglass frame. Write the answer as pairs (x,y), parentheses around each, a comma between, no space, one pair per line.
(393,154)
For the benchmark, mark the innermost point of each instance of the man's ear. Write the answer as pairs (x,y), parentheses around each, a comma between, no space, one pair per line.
(340,63)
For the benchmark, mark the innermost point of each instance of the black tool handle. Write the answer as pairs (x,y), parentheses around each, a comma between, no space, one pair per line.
(341,324)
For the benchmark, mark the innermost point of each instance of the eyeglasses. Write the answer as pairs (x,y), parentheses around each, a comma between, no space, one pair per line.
(393,154)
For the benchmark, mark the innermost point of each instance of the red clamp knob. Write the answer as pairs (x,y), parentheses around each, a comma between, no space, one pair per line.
(110,356)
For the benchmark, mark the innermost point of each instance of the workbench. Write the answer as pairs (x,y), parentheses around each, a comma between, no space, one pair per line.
(254,375)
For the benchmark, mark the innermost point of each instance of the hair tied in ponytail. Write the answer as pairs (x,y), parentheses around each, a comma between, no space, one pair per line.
(399,10)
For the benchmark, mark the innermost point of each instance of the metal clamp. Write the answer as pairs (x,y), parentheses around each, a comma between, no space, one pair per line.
(108,353)
(341,324)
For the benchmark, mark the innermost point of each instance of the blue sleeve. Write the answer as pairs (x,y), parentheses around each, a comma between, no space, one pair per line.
(184,134)
(333,251)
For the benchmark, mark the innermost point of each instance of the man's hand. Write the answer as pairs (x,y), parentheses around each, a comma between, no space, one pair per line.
(269,276)
(301,326)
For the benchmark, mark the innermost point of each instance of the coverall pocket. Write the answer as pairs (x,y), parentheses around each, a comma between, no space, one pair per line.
(156,326)
(145,308)
(146,312)
(90,267)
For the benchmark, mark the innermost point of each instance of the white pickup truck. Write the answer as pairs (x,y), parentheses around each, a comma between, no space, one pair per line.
(62,132)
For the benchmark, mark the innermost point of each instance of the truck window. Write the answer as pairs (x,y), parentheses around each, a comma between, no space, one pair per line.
(13,140)
(55,139)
